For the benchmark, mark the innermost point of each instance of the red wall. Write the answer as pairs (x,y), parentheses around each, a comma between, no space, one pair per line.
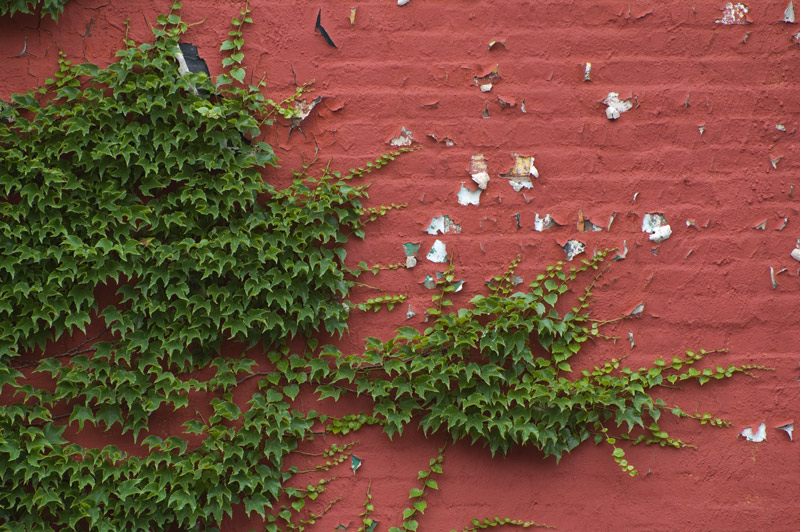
(708,286)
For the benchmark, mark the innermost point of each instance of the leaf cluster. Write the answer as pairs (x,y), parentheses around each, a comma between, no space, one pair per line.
(51,8)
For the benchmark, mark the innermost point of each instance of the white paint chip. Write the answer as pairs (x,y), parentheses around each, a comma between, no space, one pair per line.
(733,14)
(520,174)
(478,169)
(573,248)
(438,252)
(788,15)
(587,72)
(615,106)
(405,138)
(788,427)
(442,225)
(655,224)
(758,436)
(469,197)
(545,222)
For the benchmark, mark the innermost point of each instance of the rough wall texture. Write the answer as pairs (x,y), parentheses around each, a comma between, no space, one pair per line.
(710,142)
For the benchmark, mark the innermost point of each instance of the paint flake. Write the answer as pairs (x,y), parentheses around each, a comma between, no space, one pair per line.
(587,72)
(353,15)
(655,224)
(572,248)
(443,225)
(733,14)
(637,310)
(758,436)
(585,225)
(788,15)
(630,337)
(438,252)
(772,277)
(761,226)
(487,77)
(447,141)
(496,43)
(787,426)
(615,106)
(411,249)
(410,312)
(545,222)
(469,197)
(506,102)
(520,174)
(780,127)
(478,169)
(622,254)
(405,138)
(304,109)
(796,251)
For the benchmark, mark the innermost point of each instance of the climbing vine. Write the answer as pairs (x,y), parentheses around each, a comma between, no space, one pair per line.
(137,227)
(51,8)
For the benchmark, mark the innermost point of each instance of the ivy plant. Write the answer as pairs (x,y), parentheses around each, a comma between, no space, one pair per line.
(499,372)
(51,8)
(129,180)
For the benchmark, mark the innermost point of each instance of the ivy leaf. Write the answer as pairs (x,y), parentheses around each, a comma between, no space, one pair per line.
(238,74)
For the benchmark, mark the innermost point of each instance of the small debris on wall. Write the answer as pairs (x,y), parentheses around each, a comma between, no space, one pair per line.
(788,427)
(478,169)
(405,138)
(788,14)
(587,72)
(411,249)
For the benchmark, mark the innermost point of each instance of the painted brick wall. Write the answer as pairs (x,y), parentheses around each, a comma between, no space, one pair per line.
(698,145)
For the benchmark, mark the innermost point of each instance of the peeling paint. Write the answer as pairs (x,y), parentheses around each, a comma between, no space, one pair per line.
(469,197)
(520,174)
(486,87)
(655,224)
(637,310)
(774,162)
(796,251)
(622,254)
(587,72)
(487,77)
(785,222)
(692,223)
(780,127)
(702,129)
(630,337)
(761,226)
(615,106)
(402,2)
(516,218)
(410,312)
(585,225)
(772,277)
(303,109)
(405,138)
(430,282)
(485,113)
(788,14)
(506,102)
(545,222)
(788,427)
(758,436)
(478,169)
(733,14)
(572,248)
(496,43)
(353,15)
(611,220)
(411,249)
(522,107)
(443,225)
(447,141)
(438,252)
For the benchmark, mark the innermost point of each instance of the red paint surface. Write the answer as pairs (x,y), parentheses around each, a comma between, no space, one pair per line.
(394,60)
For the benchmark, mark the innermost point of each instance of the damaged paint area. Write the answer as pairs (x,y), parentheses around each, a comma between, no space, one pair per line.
(438,252)
(487,79)
(572,248)
(410,312)
(545,222)
(796,251)
(616,106)
(584,224)
(478,170)
(788,427)
(447,141)
(405,138)
(788,14)
(411,249)
(302,109)
(442,225)
(622,254)
(758,435)
(469,197)
(655,224)
(587,72)
(189,61)
(520,174)
(733,14)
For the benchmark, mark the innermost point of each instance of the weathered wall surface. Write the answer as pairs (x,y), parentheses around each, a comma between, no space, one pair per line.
(710,142)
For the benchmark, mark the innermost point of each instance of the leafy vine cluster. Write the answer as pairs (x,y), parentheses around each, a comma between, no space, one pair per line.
(51,8)
(147,182)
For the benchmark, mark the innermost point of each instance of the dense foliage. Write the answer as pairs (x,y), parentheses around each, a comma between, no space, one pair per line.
(51,8)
